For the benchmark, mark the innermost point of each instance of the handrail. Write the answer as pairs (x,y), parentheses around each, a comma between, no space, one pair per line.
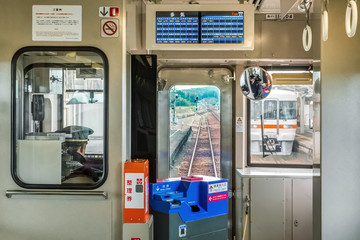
(351,18)
(10,193)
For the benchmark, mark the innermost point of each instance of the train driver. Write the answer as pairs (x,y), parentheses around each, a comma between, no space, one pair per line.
(74,163)
(255,87)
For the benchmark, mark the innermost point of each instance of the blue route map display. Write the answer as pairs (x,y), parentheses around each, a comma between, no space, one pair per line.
(212,27)
(177,27)
(222,27)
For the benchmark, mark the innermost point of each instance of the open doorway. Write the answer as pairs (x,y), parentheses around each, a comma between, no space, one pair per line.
(189,100)
(194,130)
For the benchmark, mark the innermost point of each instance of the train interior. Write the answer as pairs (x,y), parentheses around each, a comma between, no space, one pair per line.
(245,110)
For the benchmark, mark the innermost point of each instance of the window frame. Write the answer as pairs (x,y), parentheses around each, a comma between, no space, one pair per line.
(13,164)
(248,146)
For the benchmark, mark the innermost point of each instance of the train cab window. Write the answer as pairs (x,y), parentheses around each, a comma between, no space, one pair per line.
(281,132)
(270,109)
(287,110)
(59,117)
(194,130)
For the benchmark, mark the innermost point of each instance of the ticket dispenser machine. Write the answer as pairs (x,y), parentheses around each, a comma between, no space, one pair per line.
(190,208)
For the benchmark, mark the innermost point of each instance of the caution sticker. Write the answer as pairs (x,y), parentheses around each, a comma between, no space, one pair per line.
(218,197)
(218,187)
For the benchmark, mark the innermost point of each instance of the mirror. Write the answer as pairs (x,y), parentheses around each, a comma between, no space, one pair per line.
(255,83)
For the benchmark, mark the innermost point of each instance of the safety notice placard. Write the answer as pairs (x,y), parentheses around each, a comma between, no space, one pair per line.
(108,12)
(56,23)
(239,124)
(110,27)
(218,187)
(218,197)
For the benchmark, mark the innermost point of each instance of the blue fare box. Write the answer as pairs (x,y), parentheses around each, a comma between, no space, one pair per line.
(192,200)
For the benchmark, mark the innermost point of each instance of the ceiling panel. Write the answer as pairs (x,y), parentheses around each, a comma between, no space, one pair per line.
(263,6)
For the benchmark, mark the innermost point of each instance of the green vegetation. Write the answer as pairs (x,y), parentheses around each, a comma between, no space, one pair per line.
(186,97)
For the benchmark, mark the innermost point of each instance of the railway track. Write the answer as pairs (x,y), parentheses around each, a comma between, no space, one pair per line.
(202,159)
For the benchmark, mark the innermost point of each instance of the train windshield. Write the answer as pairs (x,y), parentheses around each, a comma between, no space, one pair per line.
(256,111)
(287,110)
(270,109)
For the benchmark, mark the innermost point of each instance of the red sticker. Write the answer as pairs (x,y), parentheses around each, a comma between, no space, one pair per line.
(218,197)
(114,12)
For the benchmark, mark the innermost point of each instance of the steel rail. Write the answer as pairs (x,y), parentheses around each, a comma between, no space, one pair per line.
(212,150)
(215,115)
(194,151)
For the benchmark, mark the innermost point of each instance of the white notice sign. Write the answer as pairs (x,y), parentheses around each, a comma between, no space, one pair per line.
(239,124)
(218,187)
(56,23)
(134,190)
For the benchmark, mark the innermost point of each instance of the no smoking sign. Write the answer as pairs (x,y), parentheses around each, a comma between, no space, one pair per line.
(110,27)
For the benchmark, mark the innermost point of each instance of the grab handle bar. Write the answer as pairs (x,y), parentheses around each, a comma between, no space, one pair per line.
(10,193)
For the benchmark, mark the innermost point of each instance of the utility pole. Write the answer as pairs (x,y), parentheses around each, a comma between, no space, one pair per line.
(173,102)
(196,102)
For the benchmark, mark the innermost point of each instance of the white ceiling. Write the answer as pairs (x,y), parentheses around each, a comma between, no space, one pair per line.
(264,6)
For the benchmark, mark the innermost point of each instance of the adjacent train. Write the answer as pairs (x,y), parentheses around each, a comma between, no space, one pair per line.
(274,123)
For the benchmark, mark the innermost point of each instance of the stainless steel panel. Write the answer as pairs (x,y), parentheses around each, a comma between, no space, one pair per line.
(288,198)
(340,128)
(142,231)
(242,189)
(316,117)
(302,209)
(267,216)
(316,208)
(163,121)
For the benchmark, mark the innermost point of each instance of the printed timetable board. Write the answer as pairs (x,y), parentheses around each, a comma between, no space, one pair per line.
(205,27)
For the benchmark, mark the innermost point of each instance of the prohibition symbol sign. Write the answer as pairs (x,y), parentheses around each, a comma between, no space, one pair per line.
(109,28)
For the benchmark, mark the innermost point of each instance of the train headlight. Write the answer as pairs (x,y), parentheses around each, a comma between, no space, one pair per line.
(288,126)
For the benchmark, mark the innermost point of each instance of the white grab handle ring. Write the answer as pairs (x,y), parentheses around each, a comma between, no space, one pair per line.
(307,38)
(351,11)
(325,25)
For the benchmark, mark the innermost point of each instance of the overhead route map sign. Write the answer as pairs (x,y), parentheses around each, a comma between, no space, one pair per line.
(56,23)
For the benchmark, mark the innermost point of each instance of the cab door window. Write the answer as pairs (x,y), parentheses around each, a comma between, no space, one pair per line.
(59,127)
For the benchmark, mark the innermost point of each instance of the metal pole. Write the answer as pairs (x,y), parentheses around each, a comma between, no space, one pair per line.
(302,117)
(262,135)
